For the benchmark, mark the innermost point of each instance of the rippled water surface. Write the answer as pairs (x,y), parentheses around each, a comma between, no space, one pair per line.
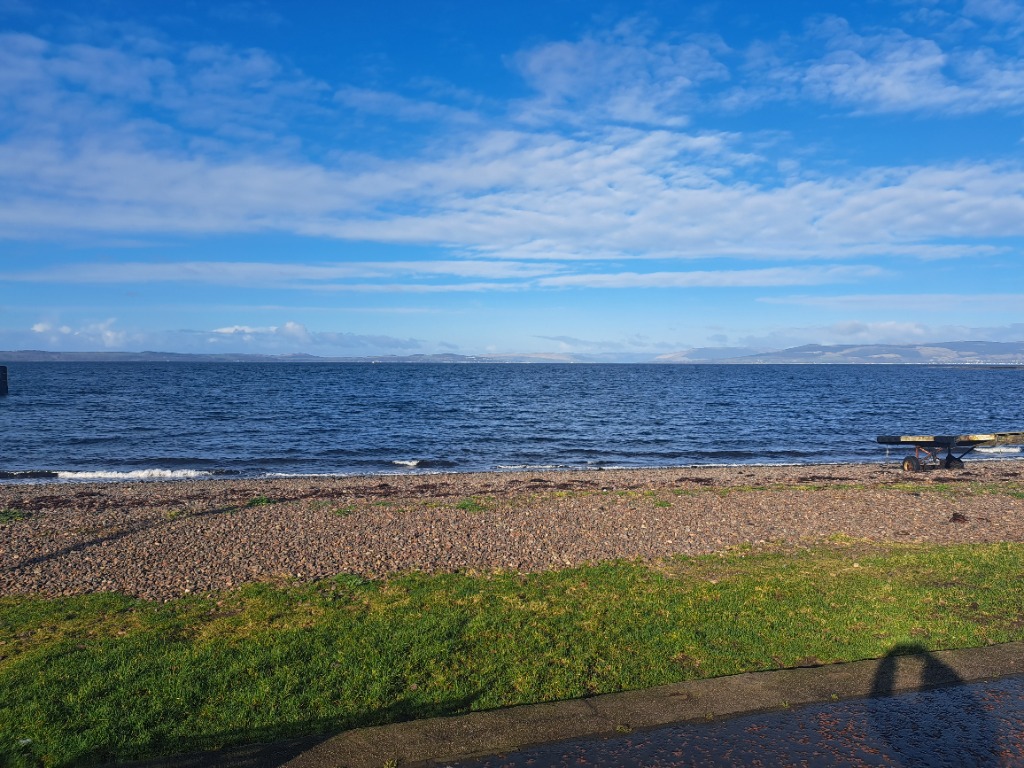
(176,419)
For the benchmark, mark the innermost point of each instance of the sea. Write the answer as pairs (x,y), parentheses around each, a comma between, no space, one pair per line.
(77,421)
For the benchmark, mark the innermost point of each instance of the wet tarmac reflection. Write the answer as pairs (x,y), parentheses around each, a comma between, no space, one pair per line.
(977,724)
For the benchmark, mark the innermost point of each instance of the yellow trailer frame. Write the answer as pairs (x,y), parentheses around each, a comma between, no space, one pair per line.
(928,447)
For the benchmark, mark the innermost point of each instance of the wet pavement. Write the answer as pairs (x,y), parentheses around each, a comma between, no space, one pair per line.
(976,724)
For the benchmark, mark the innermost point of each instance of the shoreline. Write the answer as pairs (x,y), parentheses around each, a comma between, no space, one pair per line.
(162,539)
(412,468)
(26,477)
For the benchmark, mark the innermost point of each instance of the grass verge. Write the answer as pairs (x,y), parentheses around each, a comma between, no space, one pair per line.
(10,515)
(104,677)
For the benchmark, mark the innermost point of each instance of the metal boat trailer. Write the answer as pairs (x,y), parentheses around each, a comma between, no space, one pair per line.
(927,448)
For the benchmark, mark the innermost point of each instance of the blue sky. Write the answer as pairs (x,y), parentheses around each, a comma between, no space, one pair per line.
(559,176)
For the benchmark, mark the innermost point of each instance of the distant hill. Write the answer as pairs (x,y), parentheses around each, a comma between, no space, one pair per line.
(41,356)
(709,354)
(939,353)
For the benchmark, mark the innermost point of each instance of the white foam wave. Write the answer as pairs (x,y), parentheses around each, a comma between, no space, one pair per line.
(407,462)
(1000,449)
(138,474)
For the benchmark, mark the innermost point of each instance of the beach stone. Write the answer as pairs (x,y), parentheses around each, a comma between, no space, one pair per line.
(161,540)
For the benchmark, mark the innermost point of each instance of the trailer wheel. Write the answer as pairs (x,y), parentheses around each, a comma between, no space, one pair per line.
(911,464)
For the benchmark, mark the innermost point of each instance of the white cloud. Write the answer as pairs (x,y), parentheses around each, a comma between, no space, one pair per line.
(887,71)
(606,191)
(230,330)
(401,107)
(623,75)
(999,11)
(290,332)
(745,278)
(210,96)
(854,331)
(351,277)
(596,182)
(87,336)
(244,12)
(424,288)
(892,74)
(615,193)
(291,336)
(906,302)
(879,332)
(282,274)
(16,8)
(286,338)
(633,343)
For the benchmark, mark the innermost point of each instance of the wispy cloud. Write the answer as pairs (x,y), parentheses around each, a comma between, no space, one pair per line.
(623,75)
(1009,14)
(287,337)
(878,332)
(890,70)
(280,275)
(247,11)
(354,277)
(916,302)
(290,335)
(211,98)
(102,334)
(399,107)
(619,194)
(631,157)
(621,191)
(631,343)
(745,278)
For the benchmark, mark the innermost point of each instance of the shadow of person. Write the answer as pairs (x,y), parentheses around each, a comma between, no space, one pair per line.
(252,751)
(943,722)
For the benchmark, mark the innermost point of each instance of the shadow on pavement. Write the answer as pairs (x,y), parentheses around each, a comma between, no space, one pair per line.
(931,727)
(919,712)
(277,752)
(268,755)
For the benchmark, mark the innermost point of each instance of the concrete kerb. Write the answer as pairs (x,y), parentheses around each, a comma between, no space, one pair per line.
(445,739)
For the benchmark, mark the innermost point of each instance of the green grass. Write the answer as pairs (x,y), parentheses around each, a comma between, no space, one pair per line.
(968,488)
(470,505)
(105,677)
(12,515)
(259,501)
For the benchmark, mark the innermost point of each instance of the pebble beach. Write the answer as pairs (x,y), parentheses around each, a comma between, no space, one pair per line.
(162,540)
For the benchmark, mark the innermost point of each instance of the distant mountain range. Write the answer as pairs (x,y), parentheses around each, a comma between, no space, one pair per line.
(939,353)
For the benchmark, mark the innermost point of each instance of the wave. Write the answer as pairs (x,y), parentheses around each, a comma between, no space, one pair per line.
(47,475)
(29,474)
(137,474)
(1000,449)
(424,463)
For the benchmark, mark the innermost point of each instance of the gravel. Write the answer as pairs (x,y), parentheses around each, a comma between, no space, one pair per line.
(161,540)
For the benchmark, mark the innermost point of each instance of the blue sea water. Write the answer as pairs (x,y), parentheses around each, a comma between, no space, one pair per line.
(67,421)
